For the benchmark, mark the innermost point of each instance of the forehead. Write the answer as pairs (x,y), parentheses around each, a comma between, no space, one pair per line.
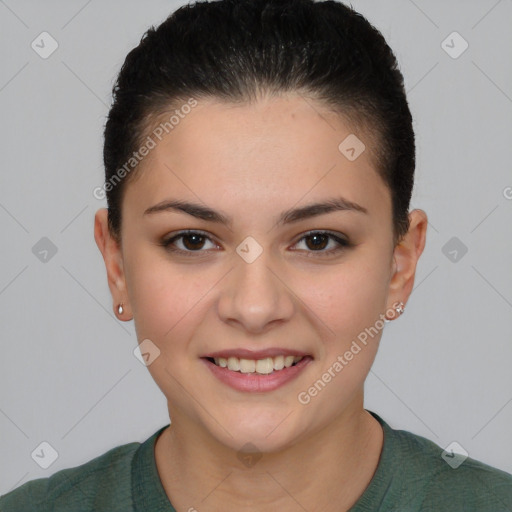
(271,152)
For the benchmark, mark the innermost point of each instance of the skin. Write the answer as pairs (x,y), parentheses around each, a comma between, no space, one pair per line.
(251,162)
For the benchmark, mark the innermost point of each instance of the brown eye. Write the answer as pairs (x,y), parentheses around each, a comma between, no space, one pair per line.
(190,241)
(193,241)
(318,241)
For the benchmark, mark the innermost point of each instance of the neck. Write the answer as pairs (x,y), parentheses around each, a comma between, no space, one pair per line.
(328,470)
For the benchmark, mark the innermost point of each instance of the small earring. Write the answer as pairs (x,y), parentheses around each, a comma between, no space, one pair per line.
(120,309)
(399,308)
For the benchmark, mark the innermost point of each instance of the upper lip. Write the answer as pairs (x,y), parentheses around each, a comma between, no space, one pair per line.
(242,353)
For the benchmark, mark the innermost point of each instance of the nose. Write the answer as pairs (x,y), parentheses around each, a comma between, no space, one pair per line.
(255,296)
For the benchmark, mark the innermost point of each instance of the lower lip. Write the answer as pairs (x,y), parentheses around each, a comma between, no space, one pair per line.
(256,382)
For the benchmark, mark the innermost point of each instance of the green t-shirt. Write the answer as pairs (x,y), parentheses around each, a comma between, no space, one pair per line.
(411,476)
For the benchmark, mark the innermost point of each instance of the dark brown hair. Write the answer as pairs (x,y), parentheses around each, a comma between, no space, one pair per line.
(235,50)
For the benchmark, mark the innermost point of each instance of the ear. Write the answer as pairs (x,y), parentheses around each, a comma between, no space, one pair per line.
(113,257)
(405,258)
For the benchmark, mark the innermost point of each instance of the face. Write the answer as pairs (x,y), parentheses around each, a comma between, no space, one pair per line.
(260,271)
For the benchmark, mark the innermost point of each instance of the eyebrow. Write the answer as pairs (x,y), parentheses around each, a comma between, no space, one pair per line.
(287,217)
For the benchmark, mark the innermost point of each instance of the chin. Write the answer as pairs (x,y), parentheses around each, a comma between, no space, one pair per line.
(257,432)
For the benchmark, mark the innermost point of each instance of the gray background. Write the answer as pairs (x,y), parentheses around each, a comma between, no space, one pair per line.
(67,369)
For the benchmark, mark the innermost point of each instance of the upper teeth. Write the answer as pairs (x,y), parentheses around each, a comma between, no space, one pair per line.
(263,366)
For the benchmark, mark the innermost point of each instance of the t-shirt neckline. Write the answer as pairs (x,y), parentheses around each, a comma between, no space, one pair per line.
(380,484)
(148,492)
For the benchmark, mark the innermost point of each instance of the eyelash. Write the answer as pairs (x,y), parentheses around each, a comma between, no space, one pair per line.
(342,243)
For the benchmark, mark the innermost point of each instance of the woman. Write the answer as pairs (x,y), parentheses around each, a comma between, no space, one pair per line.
(259,159)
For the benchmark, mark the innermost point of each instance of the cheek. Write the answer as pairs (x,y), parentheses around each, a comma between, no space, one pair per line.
(168,302)
(347,297)
(166,298)
(154,291)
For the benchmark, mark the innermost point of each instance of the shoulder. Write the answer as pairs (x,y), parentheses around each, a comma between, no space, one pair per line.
(103,483)
(447,479)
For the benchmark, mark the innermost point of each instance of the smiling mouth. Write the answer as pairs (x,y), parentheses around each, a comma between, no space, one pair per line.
(265,366)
